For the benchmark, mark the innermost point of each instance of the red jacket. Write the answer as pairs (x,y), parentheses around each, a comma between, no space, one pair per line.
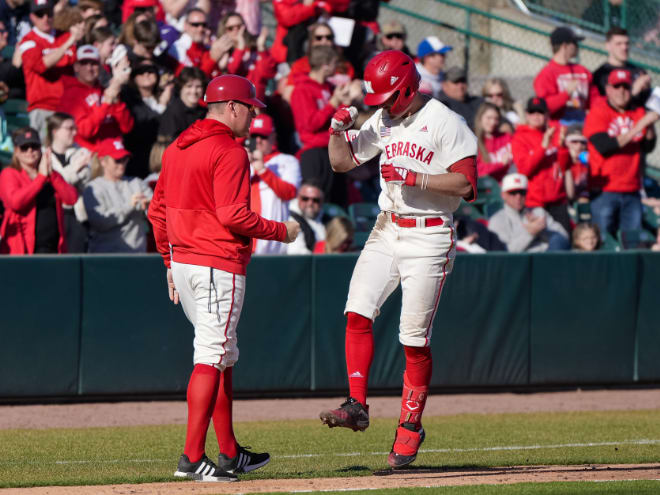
(497,147)
(620,171)
(96,121)
(44,86)
(18,192)
(258,67)
(189,54)
(312,111)
(201,205)
(301,66)
(549,84)
(544,168)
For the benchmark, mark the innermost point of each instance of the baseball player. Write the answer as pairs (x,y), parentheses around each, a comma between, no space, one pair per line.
(427,163)
(203,227)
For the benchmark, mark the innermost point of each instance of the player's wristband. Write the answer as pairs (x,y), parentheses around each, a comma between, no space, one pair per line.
(334,132)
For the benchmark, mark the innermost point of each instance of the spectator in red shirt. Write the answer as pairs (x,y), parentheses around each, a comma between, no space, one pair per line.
(566,87)
(290,14)
(99,114)
(494,155)
(189,50)
(618,135)
(538,154)
(47,55)
(33,194)
(315,101)
(247,56)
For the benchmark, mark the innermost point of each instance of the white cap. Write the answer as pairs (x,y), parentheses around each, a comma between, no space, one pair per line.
(514,182)
(88,52)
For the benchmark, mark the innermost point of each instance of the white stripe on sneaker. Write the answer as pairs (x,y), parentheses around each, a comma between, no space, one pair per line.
(200,468)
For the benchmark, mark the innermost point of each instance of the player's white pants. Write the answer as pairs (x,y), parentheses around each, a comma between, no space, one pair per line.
(420,258)
(212,300)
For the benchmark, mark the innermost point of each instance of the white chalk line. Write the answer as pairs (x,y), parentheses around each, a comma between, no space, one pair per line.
(643,441)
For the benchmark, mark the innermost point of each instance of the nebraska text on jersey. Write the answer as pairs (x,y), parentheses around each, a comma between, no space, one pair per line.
(411,150)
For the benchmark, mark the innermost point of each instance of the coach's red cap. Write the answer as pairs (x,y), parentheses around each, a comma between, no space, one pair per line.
(262,125)
(114,148)
(619,76)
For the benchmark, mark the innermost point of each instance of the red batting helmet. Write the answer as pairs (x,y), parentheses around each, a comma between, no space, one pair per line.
(389,72)
(231,87)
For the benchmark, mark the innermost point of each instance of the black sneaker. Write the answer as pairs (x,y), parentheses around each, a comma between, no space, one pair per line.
(202,470)
(351,414)
(244,461)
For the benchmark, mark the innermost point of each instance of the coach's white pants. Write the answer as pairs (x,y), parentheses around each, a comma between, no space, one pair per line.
(420,258)
(212,300)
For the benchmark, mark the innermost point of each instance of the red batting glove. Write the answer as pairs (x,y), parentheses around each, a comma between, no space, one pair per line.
(343,119)
(398,175)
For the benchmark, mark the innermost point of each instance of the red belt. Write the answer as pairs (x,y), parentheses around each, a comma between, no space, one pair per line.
(416,221)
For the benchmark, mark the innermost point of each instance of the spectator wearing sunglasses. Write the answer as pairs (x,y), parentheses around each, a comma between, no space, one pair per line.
(99,113)
(307,210)
(190,50)
(523,229)
(431,53)
(293,15)
(618,134)
(47,56)
(274,180)
(540,155)
(238,52)
(33,195)
(146,99)
(393,36)
(321,34)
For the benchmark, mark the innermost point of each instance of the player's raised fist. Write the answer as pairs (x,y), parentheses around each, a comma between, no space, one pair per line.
(343,118)
(292,230)
(398,175)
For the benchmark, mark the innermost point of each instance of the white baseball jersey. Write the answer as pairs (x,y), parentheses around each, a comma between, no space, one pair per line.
(429,141)
(287,168)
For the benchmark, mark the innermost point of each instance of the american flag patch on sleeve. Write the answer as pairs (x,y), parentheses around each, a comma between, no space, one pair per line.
(385,131)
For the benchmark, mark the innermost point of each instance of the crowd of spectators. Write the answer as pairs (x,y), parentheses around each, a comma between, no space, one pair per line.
(109,85)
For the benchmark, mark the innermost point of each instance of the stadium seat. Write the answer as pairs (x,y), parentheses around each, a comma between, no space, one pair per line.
(487,188)
(609,243)
(582,212)
(359,240)
(492,207)
(363,215)
(5,157)
(650,218)
(636,239)
(333,210)
(468,210)
(15,107)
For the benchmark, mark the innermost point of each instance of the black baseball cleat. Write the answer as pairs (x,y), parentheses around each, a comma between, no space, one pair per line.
(351,414)
(202,470)
(244,461)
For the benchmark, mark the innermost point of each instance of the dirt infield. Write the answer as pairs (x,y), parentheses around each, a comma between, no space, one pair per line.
(174,412)
(409,478)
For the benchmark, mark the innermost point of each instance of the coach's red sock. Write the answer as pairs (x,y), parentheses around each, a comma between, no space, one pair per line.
(222,414)
(416,380)
(359,355)
(201,397)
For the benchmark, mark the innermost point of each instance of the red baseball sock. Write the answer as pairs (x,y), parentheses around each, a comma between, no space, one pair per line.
(359,355)
(416,380)
(222,415)
(201,397)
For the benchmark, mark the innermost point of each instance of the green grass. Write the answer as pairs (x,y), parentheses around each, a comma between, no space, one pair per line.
(302,449)
(576,488)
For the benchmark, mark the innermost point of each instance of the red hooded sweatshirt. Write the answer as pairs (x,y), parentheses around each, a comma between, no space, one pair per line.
(200,211)
(96,121)
(544,168)
(312,111)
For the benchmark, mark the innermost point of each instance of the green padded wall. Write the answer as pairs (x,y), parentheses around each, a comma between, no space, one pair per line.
(481,329)
(274,332)
(40,325)
(134,340)
(584,312)
(648,319)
